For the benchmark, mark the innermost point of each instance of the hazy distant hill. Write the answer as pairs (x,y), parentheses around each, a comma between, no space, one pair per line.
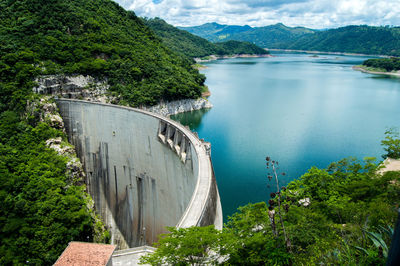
(191,45)
(355,39)
(215,32)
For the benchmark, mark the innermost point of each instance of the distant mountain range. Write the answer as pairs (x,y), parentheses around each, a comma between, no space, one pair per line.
(269,36)
(352,39)
(192,46)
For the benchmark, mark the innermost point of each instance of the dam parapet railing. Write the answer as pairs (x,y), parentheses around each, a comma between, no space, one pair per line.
(175,183)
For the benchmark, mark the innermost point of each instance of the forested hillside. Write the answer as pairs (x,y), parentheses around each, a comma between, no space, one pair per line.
(273,36)
(97,38)
(383,64)
(351,39)
(191,45)
(240,47)
(42,205)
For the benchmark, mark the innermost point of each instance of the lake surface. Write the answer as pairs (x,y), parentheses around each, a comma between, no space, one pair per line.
(303,111)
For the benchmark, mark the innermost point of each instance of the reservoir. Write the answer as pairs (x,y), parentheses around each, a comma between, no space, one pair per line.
(299,109)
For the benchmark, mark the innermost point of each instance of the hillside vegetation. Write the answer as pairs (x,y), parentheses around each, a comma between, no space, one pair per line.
(351,39)
(192,46)
(41,207)
(341,215)
(97,38)
(240,47)
(383,64)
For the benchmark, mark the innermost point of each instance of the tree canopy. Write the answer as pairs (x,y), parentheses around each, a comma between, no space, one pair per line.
(94,37)
(341,215)
(383,64)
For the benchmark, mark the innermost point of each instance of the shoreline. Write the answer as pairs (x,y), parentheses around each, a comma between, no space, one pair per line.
(322,52)
(362,69)
(168,108)
(217,57)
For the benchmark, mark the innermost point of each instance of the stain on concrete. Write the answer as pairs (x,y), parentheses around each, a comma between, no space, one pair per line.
(144,172)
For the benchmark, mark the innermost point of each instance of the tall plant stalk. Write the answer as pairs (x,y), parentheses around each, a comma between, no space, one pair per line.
(278,192)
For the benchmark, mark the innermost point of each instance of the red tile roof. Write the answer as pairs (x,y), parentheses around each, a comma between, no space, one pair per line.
(80,253)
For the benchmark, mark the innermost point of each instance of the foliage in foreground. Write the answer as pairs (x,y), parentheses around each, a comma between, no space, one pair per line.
(41,210)
(348,221)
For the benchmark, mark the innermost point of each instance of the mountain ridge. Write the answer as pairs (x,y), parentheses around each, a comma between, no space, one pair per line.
(191,45)
(363,39)
(219,32)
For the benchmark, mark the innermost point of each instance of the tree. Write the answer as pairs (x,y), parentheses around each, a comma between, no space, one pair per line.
(245,240)
(188,246)
(273,165)
(334,216)
(391,144)
(251,241)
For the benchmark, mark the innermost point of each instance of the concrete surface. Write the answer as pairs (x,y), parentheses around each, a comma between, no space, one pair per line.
(390,164)
(144,171)
(131,256)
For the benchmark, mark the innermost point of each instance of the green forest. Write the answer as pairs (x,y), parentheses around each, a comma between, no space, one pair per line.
(383,64)
(341,215)
(382,40)
(192,46)
(98,38)
(353,39)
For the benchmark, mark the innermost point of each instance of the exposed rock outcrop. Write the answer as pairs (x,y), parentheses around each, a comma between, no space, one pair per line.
(48,112)
(180,106)
(91,89)
(389,164)
(74,169)
(75,87)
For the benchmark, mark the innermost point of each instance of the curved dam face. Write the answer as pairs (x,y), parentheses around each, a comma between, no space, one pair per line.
(144,171)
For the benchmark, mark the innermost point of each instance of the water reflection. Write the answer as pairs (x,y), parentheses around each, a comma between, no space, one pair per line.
(191,119)
(241,63)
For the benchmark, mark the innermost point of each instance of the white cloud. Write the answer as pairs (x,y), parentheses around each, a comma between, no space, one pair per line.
(308,13)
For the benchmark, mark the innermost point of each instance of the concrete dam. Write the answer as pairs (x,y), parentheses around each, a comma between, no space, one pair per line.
(144,171)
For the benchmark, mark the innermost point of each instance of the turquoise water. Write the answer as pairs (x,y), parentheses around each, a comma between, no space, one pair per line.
(302,111)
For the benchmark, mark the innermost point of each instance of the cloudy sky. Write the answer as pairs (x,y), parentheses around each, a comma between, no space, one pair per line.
(309,13)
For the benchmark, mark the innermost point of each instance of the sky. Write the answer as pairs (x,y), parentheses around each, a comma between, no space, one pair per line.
(317,14)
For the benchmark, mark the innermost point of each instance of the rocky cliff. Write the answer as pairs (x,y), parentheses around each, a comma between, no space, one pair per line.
(180,106)
(95,90)
(74,87)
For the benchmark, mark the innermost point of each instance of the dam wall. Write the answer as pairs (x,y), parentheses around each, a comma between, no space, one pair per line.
(144,171)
